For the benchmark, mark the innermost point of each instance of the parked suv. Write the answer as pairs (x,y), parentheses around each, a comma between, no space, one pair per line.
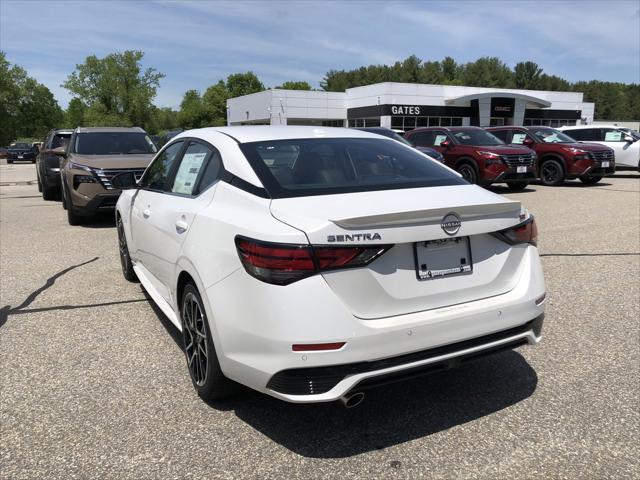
(48,163)
(94,156)
(21,152)
(387,132)
(560,157)
(479,156)
(623,141)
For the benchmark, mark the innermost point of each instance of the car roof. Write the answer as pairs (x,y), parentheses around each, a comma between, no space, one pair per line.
(109,130)
(450,129)
(261,133)
(63,130)
(574,127)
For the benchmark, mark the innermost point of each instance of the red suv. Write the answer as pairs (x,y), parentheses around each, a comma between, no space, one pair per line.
(560,156)
(479,156)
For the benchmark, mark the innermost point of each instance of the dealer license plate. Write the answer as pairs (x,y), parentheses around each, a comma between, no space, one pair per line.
(440,258)
(521,169)
(605,164)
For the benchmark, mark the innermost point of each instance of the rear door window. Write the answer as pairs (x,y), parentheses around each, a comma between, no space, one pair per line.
(199,168)
(585,134)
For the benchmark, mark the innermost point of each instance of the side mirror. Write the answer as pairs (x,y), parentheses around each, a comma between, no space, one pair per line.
(125,181)
(60,151)
(446,144)
(527,142)
(629,139)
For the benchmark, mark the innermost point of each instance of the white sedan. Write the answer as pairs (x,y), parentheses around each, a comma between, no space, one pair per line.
(313,263)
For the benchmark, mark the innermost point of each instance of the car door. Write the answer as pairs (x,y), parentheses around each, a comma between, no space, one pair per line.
(154,184)
(626,152)
(168,214)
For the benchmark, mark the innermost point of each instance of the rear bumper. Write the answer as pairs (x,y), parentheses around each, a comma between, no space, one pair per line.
(254,339)
(305,384)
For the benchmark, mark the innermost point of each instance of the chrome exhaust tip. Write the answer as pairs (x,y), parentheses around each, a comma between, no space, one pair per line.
(352,400)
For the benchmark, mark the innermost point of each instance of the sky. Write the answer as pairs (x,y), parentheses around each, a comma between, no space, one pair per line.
(196,43)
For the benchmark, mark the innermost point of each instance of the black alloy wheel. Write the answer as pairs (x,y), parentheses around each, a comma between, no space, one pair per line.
(125,260)
(202,361)
(468,172)
(196,346)
(552,173)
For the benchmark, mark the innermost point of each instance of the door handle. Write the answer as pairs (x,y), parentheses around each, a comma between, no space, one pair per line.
(146,213)
(181,226)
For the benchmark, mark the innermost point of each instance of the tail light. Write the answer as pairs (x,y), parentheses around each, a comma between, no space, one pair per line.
(525,232)
(282,263)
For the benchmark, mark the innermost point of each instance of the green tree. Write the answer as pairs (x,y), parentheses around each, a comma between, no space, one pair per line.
(527,75)
(215,103)
(115,88)
(239,84)
(193,113)
(27,108)
(294,85)
(74,116)
(487,72)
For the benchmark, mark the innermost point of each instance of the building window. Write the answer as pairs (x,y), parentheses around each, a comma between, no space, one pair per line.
(409,123)
(364,122)
(333,123)
(554,123)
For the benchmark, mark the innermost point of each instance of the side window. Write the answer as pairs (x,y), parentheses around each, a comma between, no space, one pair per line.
(585,134)
(199,168)
(421,139)
(517,138)
(439,138)
(157,175)
(613,135)
(501,134)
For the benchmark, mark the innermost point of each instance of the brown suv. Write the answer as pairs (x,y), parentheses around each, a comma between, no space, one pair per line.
(92,158)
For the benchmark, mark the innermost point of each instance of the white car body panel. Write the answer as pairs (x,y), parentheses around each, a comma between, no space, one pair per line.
(627,154)
(381,310)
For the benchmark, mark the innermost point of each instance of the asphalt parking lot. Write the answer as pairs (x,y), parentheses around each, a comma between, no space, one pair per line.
(94,382)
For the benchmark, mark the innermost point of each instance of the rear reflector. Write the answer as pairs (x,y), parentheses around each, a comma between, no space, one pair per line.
(316,347)
(525,232)
(282,263)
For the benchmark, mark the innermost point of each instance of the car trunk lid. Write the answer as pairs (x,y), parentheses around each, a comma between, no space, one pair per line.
(390,285)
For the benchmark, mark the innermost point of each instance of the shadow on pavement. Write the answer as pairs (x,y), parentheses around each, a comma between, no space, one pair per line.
(394,414)
(8,310)
(101,220)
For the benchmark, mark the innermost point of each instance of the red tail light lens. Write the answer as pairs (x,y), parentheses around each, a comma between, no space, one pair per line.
(282,264)
(525,232)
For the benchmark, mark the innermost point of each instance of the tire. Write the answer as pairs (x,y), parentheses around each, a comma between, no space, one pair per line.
(39,185)
(551,173)
(9,162)
(125,260)
(468,172)
(63,194)
(48,193)
(202,361)
(517,186)
(72,217)
(590,180)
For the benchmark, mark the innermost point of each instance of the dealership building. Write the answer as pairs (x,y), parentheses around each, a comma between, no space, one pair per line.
(405,106)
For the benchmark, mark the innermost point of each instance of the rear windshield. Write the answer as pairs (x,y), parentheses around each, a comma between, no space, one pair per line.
(60,140)
(476,137)
(113,143)
(21,146)
(303,167)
